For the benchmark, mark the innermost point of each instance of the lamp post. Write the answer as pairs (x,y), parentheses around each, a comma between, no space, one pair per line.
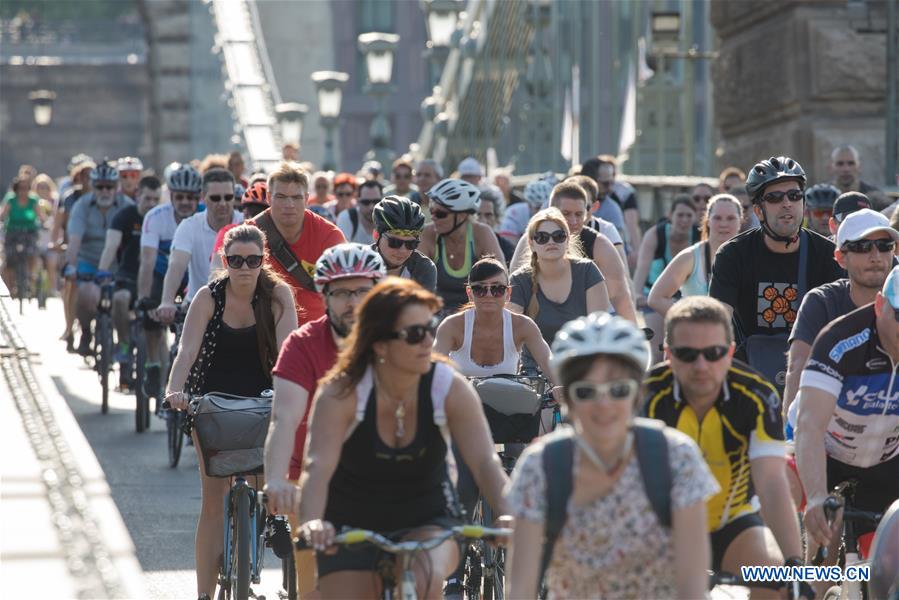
(290,117)
(442,18)
(42,103)
(329,85)
(378,49)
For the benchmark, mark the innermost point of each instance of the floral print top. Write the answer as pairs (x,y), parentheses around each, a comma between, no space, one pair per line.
(613,546)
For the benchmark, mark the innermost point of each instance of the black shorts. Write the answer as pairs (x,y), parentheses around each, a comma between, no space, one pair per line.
(127,283)
(877,488)
(724,537)
(156,296)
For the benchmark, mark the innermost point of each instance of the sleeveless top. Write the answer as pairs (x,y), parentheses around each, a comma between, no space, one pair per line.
(468,367)
(450,282)
(663,252)
(697,284)
(21,219)
(387,489)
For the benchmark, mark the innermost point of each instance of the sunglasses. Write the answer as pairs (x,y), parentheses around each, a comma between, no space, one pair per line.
(497,290)
(397,243)
(821,213)
(586,391)
(129,174)
(220,197)
(845,163)
(793,195)
(344,194)
(236,261)
(415,334)
(558,236)
(104,186)
(177,197)
(710,353)
(368,202)
(439,214)
(864,246)
(347,294)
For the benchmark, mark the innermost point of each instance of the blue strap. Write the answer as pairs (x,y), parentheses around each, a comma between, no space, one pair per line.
(655,467)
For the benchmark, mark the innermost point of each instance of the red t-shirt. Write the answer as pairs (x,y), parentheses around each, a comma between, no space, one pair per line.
(307,354)
(318,235)
(220,239)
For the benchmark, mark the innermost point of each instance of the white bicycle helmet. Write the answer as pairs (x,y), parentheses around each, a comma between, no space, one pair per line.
(348,260)
(456,195)
(130,163)
(537,192)
(600,333)
(185,179)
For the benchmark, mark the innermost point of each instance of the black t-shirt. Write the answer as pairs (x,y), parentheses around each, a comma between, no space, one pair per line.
(819,307)
(763,286)
(129,221)
(629,202)
(588,240)
(507,247)
(70,200)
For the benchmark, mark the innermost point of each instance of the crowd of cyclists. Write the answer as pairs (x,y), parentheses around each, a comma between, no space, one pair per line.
(689,357)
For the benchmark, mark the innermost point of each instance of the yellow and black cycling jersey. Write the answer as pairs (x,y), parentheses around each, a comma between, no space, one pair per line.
(745,423)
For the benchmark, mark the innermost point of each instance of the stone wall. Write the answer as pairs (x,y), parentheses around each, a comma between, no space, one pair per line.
(795,77)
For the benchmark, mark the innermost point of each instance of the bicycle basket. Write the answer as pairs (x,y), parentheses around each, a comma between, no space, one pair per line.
(512,407)
(231,432)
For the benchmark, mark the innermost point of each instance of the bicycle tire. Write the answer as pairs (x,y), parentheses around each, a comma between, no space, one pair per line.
(243,532)
(43,285)
(473,571)
(104,364)
(289,578)
(142,399)
(21,283)
(494,560)
(175,436)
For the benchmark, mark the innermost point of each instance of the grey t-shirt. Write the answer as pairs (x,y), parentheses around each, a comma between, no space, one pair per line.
(551,315)
(421,269)
(820,306)
(91,223)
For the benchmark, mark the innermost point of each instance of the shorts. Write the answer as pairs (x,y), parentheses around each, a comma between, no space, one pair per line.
(26,239)
(877,488)
(86,271)
(129,284)
(724,537)
(156,296)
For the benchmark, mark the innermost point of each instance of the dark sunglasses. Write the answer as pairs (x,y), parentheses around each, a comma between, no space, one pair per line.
(558,236)
(220,197)
(864,246)
(180,197)
(586,391)
(397,243)
(236,261)
(778,197)
(415,334)
(497,290)
(367,202)
(344,194)
(104,186)
(711,353)
(439,214)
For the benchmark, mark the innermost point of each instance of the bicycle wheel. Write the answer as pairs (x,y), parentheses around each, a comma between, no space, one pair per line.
(175,437)
(43,288)
(104,358)
(494,560)
(142,406)
(243,530)
(289,578)
(21,283)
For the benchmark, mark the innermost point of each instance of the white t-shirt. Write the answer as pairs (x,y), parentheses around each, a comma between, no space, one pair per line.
(515,219)
(197,238)
(345,223)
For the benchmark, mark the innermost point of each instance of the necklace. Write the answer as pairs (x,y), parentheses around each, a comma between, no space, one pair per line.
(399,413)
(597,460)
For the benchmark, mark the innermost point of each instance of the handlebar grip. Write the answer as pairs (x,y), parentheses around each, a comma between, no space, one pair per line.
(300,543)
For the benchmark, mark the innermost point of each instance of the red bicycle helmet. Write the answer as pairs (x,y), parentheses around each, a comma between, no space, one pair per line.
(256,194)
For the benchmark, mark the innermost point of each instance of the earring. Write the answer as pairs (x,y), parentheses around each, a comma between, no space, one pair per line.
(380,360)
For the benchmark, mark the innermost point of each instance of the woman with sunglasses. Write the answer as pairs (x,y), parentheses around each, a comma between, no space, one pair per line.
(558,284)
(378,445)
(690,271)
(232,333)
(398,226)
(612,543)
(455,240)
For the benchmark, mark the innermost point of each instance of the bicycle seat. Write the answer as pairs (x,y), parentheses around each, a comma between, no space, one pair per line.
(509,395)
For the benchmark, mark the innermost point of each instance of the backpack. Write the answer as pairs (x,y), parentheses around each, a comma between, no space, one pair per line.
(354,218)
(558,461)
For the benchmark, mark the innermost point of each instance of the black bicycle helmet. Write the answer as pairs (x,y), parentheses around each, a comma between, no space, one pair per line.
(821,195)
(104,172)
(395,213)
(772,170)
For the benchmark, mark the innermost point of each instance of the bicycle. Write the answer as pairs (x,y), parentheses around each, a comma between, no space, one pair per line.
(103,342)
(137,371)
(406,551)
(174,419)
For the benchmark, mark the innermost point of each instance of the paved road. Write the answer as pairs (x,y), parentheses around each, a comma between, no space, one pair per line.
(160,505)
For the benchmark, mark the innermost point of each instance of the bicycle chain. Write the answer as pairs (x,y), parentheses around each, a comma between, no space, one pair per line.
(87,557)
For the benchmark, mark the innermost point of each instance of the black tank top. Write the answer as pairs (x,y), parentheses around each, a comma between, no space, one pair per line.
(235,367)
(388,489)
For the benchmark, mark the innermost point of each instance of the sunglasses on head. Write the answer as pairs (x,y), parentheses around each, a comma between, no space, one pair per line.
(710,353)
(368,202)
(219,197)
(793,195)
(586,391)
(236,261)
(864,246)
(558,236)
(397,243)
(497,290)
(104,186)
(415,334)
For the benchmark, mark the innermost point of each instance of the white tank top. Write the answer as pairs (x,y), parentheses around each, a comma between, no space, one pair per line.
(469,368)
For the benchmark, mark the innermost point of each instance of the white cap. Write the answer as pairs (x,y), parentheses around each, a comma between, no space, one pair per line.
(861,224)
(891,288)
(470,166)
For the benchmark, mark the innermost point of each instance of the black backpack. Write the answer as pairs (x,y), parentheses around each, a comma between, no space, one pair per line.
(558,461)
(354,219)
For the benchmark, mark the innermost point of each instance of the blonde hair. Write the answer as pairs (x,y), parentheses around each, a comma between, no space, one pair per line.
(288,172)
(704,227)
(573,250)
(44,178)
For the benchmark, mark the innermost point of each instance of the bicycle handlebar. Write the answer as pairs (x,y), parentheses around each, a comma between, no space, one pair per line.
(461,532)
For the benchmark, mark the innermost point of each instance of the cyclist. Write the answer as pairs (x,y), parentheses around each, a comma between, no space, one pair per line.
(130,169)
(733,414)
(345,186)
(232,333)
(356,222)
(602,172)
(194,239)
(344,274)
(428,173)
(750,221)
(401,177)
(398,224)
(612,544)
(819,201)
(46,189)
(849,414)
(731,178)
(454,239)
(866,244)
(87,225)
(471,171)
(700,196)
(22,218)
(377,454)
(600,225)
(255,200)
(845,165)
(123,247)
(848,203)
(236,165)
(502,178)
(688,274)
(488,211)
(536,194)
(321,184)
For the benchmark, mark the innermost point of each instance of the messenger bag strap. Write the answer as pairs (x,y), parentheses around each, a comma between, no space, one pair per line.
(282,252)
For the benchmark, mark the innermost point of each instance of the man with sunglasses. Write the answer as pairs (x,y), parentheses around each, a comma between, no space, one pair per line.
(848,426)
(398,225)
(401,177)
(819,200)
(130,169)
(356,222)
(733,414)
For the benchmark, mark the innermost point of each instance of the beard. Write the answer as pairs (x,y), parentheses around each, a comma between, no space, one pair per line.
(341,325)
(104,201)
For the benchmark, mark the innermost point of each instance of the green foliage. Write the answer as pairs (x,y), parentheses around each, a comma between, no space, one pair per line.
(64,10)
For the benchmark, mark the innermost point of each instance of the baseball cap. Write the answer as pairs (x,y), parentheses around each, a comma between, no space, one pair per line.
(470,166)
(848,203)
(861,224)
(890,289)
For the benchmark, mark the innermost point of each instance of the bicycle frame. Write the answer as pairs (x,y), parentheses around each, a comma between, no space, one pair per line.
(228,576)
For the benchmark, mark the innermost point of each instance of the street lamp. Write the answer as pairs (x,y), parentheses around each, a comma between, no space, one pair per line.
(42,103)
(290,116)
(442,18)
(378,49)
(329,85)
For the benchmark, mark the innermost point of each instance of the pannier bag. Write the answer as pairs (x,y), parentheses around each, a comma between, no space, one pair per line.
(511,405)
(231,432)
